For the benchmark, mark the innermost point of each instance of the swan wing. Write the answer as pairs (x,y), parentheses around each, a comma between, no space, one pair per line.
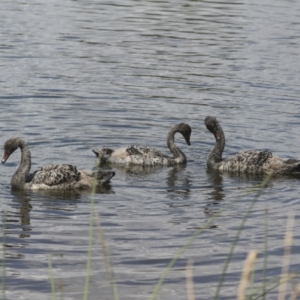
(251,161)
(52,175)
(144,151)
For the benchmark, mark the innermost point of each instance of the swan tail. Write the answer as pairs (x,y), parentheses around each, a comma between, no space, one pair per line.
(103,177)
(292,166)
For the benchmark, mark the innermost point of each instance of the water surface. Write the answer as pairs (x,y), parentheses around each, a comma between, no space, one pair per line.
(78,75)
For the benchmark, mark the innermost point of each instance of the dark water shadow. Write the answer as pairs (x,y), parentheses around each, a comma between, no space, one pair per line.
(63,194)
(215,180)
(133,170)
(179,185)
(241,181)
(249,183)
(137,170)
(255,180)
(23,201)
(178,181)
(22,208)
(216,195)
(177,176)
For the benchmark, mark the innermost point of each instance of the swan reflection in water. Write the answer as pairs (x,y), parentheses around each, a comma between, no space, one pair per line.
(134,170)
(50,200)
(216,194)
(21,208)
(246,184)
(179,182)
(176,178)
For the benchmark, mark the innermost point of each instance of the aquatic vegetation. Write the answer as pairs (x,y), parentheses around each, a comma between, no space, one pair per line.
(247,288)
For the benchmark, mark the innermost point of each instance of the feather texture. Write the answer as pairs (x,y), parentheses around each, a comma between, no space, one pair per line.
(141,155)
(50,176)
(251,161)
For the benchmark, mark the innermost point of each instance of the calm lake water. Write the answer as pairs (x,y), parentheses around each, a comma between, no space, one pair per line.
(78,75)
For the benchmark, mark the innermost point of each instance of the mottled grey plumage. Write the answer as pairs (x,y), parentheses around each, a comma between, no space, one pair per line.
(50,176)
(53,175)
(251,161)
(141,150)
(148,156)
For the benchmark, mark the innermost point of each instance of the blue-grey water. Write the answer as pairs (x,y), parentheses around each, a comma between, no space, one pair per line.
(78,75)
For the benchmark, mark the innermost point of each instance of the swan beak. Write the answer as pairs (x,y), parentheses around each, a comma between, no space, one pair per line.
(5,157)
(187,139)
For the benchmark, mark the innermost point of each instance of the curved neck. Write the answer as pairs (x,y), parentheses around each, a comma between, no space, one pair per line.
(215,156)
(178,154)
(19,178)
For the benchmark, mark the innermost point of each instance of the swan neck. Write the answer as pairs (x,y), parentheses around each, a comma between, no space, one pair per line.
(178,154)
(215,156)
(19,178)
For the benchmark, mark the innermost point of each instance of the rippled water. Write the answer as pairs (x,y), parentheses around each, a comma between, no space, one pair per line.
(78,75)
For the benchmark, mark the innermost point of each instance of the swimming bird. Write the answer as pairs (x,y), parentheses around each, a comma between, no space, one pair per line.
(50,176)
(251,161)
(141,155)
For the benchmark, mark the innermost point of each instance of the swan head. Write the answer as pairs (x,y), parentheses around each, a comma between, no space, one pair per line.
(10,146)
(213,126)
(186,131)
(104,152)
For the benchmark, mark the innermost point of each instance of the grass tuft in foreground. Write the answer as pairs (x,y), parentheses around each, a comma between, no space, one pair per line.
(245,288)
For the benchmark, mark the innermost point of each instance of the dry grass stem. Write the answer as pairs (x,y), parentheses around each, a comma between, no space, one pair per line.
(189,281)
(248,267)
(296,292)
(104,247)
(264,286)
(106,255)
(286,257)
(51,275)
(94,217)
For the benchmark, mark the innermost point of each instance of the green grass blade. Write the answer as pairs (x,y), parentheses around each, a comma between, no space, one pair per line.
(90,245)
(279,281)
(106,256)
(229,256)
(178,254)
(265,255)
(192,239)
(51,275)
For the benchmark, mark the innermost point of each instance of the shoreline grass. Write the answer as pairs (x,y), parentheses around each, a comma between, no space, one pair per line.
(247,277)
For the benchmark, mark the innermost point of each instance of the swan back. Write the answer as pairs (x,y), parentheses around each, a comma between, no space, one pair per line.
(141,155)
(55,175)
(251,161)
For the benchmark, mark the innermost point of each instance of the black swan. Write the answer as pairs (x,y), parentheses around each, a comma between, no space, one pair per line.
(148,156)
(50,176)
(251,161)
